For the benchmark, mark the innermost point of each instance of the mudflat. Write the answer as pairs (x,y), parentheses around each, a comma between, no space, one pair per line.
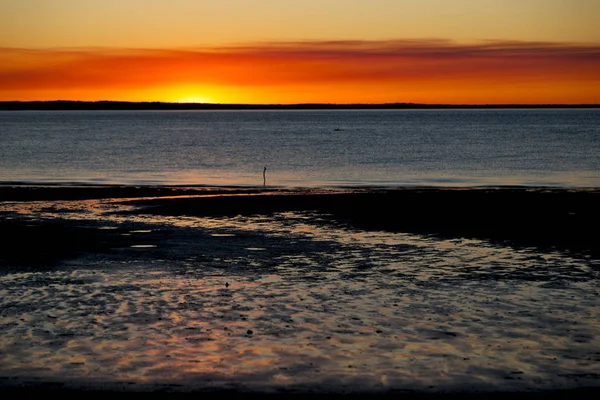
(420,292)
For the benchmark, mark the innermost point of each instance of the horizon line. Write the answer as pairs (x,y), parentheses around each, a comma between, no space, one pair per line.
(122,104)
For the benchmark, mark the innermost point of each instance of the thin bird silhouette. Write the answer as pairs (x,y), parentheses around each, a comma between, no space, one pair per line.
(265,176)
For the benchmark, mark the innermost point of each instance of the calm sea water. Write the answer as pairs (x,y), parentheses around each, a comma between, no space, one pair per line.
(303,148)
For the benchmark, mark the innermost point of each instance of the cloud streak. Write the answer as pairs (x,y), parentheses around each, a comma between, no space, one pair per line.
(399,65)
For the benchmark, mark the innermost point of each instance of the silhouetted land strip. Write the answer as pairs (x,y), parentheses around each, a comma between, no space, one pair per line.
(562,219)
(122,105)
(547,218)
(13,192)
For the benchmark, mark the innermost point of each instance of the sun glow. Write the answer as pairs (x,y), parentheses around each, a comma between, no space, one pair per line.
(195,98)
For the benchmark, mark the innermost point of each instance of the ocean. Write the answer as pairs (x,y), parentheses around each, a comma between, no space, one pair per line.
(342,148)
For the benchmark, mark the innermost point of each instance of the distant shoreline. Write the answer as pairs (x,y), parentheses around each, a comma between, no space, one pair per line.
(66,105)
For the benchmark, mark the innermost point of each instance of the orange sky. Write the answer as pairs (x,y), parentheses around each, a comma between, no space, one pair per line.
(525,51)
(341,72)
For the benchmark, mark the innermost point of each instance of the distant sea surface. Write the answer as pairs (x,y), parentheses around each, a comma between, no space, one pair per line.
(349,148)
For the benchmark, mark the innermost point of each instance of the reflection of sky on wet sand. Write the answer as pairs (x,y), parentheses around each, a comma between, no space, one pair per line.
(288,300)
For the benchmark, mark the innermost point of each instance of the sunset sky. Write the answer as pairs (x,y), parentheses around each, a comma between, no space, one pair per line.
(322,51)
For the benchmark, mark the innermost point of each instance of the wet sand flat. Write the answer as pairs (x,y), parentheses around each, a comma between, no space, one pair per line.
(415,291)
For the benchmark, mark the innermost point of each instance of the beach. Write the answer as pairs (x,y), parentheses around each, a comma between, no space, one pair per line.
(424,292)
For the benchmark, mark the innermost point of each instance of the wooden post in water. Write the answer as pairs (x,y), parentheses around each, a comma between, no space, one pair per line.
(265,177)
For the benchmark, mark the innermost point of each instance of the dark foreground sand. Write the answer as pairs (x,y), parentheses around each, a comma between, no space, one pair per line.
(399,293)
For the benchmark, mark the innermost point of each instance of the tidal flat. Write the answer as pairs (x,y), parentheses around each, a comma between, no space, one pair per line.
(373,292)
